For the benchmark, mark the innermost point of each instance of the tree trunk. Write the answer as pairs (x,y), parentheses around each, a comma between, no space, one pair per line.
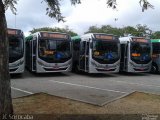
(5,85)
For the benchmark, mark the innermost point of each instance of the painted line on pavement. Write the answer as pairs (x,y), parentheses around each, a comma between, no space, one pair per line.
(87,86)
(22,90)
(139,84)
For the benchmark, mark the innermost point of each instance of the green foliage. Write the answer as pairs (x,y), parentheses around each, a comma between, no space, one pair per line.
(53,10)
(108,29)
(143,29)
(10,4)
(112,4)
(56,29)
(143,3)
(139,30)
(156,35)
(74,2)
(130,30)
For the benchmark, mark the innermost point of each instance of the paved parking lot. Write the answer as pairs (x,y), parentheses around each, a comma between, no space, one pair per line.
(96,89)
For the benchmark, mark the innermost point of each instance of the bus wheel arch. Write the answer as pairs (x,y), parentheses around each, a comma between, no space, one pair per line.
(154,68)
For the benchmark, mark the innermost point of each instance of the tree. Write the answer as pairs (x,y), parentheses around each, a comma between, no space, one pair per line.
(155,35)
(93,29)
(53,11)
(143,3)
(108,29)
(143,30)
(5,87)
(138,30)
(56,29)
(129,30)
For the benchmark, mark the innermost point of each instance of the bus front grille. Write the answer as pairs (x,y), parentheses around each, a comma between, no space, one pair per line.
(57,69)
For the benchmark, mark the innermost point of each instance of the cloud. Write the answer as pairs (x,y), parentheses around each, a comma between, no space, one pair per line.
(32,14)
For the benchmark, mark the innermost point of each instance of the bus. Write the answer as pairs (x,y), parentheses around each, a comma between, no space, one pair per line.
(16,51)
(135,54)
(96,53)
(48,52)
(155,55)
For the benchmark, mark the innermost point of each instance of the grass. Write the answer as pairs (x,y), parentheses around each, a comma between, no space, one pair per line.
(41,103)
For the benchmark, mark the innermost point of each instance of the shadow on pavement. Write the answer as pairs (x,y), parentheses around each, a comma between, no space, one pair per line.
(134,74)
(28,74)
(95,75)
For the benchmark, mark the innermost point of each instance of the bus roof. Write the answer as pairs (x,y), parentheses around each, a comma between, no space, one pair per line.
(15,32)
(76,38)
(13,29)
(129,38)
(28,38)
(155,40)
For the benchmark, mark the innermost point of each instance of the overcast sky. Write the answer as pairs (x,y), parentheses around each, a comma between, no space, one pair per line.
(31,14)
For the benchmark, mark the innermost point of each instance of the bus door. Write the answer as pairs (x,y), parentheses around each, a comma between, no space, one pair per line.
(84,56)
(87,57)
(34,48)
(123,62)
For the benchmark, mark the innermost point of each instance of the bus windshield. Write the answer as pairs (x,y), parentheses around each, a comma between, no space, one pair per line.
(15,48)
(51,50)
(156,47)
(106,52)
(140,52)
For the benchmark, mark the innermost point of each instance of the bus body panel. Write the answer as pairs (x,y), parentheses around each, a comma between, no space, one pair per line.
(95,67)
(17,67)
(127,64)
(43,66)
(133,67)
(85,61)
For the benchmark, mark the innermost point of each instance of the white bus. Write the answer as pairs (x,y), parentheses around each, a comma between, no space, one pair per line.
(135,54)
(48,52)
(156,55)
(16,51)
(96,53)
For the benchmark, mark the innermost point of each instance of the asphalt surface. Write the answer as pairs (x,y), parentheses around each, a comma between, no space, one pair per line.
(97,89)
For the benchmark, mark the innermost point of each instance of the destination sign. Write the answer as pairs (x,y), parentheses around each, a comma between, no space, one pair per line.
(140,40)
(104,37)
(12,32)
(54,35)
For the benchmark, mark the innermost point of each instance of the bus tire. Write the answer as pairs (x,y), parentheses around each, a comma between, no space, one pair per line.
(154,68)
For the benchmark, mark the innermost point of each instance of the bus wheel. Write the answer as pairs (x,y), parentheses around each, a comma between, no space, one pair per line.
(154,69)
